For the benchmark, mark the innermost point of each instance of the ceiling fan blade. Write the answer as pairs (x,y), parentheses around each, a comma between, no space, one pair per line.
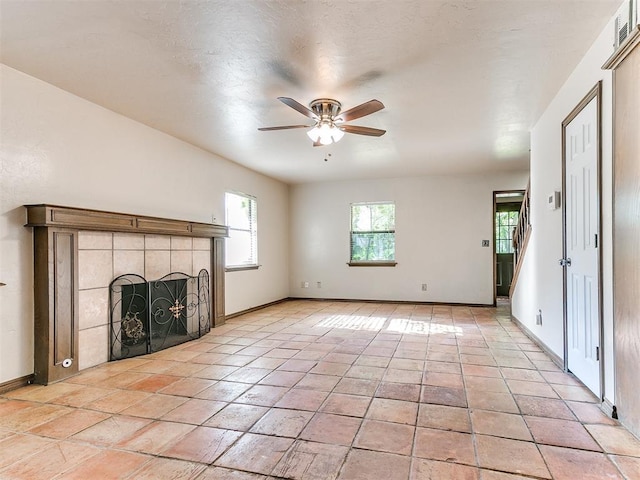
(290,102)
(317,144)
(367,108)
(283,127)
(373,132)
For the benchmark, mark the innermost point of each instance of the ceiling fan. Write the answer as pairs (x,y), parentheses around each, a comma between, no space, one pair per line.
(329,124)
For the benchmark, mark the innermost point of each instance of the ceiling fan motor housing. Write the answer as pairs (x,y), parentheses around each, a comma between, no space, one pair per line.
(325,108)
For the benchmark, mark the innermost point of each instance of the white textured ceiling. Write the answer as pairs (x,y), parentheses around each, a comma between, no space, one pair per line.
(462,81)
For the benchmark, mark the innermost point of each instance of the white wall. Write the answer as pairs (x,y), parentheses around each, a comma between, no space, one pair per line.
(60,149)
(540,283)
(440,224)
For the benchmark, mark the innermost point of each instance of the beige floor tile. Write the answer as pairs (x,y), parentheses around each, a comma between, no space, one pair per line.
(444,446)
(444,417)
(569,464)
(443,396)
(116,402)
(203,445)
(19,447)
(423,469)
(311,461)
(106,465)
(629,466)
(357,386)
(168,469)
(514,456)
(344,404)
(237,417)
(544,407)
(255,453)
(399,391)
(47,463)
(500,424)
(561,433)
(485,384)
(154,406)
(195,411)
(112,430)
(224,391)
(332,429)
(367,465)
(69,423)
(397,411)
(498,402)
(385,437)
(615,440)
(302,399)
(156,437)
(590,413)
(282,422)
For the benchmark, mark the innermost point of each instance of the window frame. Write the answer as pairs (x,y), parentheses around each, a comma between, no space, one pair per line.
(252,230)
(371,263)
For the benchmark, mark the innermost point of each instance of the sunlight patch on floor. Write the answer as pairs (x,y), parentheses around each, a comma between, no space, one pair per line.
(407,325)
(353,322)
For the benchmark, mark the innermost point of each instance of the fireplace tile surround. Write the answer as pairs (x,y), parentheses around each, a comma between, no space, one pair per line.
(103,256)
(78,252)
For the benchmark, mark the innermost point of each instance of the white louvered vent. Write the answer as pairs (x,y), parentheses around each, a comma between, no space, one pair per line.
(625,21)
(622,27)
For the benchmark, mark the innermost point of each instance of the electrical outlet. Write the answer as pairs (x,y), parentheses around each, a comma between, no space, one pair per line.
(304,284)
(485,243)
(424,287)
(319,284)
(539,317)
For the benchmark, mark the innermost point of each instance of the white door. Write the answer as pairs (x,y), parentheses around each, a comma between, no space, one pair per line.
(582,218)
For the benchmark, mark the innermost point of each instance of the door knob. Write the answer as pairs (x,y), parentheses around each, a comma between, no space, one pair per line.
(565,262)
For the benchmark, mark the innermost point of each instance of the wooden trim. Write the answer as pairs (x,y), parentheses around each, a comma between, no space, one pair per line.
(404,302)
(44,215)
(625,49)
(55,304)
(518,266)
(16,383)
(218,281)
(255,309)
(372,264)
(532,336)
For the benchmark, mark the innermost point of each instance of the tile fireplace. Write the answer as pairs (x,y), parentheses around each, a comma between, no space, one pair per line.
(79,252)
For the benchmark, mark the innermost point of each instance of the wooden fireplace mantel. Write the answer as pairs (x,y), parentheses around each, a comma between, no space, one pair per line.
(55,240)
(84,219)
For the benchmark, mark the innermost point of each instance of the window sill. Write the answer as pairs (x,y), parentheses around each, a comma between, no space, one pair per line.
(240,268)
(372,264)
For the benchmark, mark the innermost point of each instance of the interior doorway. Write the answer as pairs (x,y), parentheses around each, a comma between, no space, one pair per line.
(506,210)
(581,246)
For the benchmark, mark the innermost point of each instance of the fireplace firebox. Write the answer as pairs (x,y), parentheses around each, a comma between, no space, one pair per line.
(148,316)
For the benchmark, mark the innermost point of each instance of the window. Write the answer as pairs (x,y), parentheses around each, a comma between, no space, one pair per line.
(506,221)
(373,234)
(242,244)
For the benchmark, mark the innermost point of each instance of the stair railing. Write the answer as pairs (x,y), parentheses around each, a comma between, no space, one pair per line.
(521,234)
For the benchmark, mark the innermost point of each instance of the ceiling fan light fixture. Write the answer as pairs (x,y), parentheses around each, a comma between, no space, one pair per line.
(325,133)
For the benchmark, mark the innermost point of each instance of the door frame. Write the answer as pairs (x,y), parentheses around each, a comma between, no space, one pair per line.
(595,92)
(496,193)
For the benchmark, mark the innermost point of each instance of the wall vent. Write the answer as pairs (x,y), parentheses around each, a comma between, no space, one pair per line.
(626,19)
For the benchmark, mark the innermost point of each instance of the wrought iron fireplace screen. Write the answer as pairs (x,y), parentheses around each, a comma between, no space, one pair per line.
(149,316)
